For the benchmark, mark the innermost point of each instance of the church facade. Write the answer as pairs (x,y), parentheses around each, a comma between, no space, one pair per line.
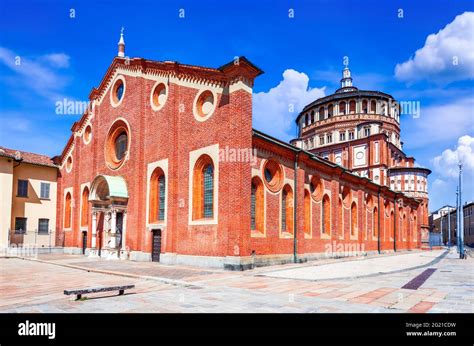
(165,166)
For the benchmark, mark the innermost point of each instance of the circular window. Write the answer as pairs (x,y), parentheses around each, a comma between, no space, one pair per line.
(204,105)
(87,134)
(118,91)
(117,145)
(69,164)
(159,94)
(273,175)
(316,188)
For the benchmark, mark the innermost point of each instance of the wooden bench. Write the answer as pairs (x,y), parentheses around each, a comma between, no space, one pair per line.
(82,291)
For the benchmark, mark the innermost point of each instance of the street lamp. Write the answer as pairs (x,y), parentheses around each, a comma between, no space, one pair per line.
(461,215)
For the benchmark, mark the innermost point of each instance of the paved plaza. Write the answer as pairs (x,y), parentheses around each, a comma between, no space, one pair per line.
(368,284)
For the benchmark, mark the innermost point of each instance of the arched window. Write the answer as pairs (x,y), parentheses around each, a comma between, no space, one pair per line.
(321,113)
(405,226)
(257,207)
(391,224)
(85,207)
(375,220)
(67,211)
(203,188)
(352,107)
(373,107)
(364,106)
(326,217)
(307,212)
(415,229)
(287,209)
(342,107)
(157,196)
(121,143)
(330,111)
(353,218)
(312,117)
(341,217)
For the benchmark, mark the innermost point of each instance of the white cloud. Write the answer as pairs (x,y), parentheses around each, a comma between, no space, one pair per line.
(439,123)
(275,111)
(446,164)
(37,74)
(434,61)
(58,60)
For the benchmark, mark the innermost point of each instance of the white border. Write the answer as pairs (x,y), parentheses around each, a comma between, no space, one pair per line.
(112,102)
(213,152)
(163,164)
(153,106)
(207,116)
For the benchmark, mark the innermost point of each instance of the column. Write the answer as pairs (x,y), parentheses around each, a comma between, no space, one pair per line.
(113,223)
(124,231)
(94,229)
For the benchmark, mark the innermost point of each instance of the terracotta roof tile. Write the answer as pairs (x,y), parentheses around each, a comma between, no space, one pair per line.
(28,157)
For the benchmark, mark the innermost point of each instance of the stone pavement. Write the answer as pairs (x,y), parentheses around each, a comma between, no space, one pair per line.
(32,286)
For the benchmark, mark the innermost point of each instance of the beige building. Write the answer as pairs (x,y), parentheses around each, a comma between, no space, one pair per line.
(28,190)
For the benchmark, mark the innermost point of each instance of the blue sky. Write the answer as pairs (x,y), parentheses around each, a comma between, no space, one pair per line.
(63,57)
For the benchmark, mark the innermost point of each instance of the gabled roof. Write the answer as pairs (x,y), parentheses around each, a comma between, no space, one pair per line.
(27,157)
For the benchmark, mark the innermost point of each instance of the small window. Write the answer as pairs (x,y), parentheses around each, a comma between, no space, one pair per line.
(43,226)
(367,131)
(22,188)
(121,146)
(351,135)
(20,225)
(321,140)
(45,190)
(342,136)
(329,138)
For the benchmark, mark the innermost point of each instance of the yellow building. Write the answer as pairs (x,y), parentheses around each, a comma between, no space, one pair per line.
(28,189)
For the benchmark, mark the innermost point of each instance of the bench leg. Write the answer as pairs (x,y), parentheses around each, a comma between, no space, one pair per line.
(121,292)
(78,296)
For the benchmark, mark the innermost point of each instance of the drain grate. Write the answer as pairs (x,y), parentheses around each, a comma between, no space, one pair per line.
(419,280)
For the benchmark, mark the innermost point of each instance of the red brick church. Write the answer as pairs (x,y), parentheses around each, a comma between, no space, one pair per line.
(165,166)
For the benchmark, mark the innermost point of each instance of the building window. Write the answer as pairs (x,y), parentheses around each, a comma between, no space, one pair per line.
(67,211)
(329,138)
(341,217)
(203,192)
(20,225)
(376,222)
(364,106)
(351,135)
(22,188)
(157,196)
(353,218)
(330,111)
(121,145)
(342,107)
(326,217)
(257,208)
(352,107)
(373,107)
(321,140)
(321,113)
(287,209)
(204,105)
(43,226)
(87,134)
(44,193)
(342,136)
(307,212)
(273,175)
(366,131)
(85,207)
(158,96)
